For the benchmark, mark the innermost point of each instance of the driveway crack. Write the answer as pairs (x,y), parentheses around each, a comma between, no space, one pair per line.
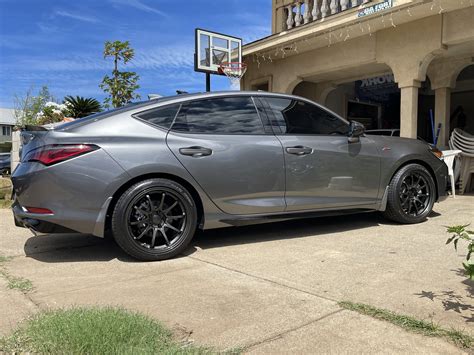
(282,334)
(261,278)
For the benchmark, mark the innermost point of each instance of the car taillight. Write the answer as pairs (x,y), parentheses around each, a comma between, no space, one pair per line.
(52,154)
(38,210)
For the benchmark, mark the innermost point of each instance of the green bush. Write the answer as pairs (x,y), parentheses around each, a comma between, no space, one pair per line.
(461,233)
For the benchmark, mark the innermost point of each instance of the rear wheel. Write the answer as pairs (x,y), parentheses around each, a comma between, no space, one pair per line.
(154,219)
(411,195)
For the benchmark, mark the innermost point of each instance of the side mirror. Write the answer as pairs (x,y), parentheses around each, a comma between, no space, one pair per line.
(356,130)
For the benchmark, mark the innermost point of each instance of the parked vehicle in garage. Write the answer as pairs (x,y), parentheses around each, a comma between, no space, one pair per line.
(154,172)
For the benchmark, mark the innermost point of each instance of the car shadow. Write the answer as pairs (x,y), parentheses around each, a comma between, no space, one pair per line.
(63,248)
(300,228)
(59,248)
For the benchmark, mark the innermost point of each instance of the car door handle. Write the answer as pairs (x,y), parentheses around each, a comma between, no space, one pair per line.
(299,150)
(195,151)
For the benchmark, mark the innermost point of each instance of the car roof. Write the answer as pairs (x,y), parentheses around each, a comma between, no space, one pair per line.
(174,99)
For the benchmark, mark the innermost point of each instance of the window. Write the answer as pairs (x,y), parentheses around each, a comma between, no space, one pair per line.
(299,117)
(6,131)
(227,115)
(161,116)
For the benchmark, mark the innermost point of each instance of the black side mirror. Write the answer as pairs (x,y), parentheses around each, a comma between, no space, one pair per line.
(356,130)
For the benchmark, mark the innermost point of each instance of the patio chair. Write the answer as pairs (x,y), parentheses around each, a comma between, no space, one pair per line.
(463,141)
(448,158)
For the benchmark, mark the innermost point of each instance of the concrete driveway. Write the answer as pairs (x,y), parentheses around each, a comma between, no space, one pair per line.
(271,288)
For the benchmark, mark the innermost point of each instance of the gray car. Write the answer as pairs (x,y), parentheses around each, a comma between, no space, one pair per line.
(152,173)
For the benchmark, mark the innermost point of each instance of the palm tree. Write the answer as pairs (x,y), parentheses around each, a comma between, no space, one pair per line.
(82,106)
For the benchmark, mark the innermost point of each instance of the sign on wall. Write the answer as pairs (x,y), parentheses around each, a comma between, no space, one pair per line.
(375,8)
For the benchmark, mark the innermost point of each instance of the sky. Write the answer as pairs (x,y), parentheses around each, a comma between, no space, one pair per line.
(59,43)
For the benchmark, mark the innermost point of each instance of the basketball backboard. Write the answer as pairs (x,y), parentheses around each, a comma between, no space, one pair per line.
(213,49)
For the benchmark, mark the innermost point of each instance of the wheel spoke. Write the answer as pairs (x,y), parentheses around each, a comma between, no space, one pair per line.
(147,229)
(153,238)
(165,236)
(162,201)
(176,217)
(171,207)
(144,221)
(172,227)
(150,202)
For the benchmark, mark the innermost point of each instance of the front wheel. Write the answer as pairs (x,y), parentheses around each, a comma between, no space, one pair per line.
(411,195)
(154,219)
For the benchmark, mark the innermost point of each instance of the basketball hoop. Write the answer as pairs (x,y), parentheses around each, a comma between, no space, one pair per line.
(234,71)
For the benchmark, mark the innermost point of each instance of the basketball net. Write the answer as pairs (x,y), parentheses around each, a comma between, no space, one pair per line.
(234,71)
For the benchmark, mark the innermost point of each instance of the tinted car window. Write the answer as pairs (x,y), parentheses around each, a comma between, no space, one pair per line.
(161,116)
(227,115)
(299,117)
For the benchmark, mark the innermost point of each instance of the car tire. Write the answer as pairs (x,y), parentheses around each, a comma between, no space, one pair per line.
(154,219)
(411,195)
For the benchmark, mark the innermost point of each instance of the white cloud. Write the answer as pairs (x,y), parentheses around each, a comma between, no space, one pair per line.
(74,16)
(138,4)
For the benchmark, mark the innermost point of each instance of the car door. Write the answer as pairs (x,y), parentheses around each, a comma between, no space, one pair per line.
(224,145)
(323,170)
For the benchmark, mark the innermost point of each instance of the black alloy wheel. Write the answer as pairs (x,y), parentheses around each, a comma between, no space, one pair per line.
(411,195)
(154,219)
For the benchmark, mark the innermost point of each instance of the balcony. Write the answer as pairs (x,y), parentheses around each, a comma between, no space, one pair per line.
(290,14)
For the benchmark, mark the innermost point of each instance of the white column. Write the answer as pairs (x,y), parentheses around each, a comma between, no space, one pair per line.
(298,17)
(306,15)
(334,6)
(324,8)
(443,113)
(344,4)
(409,111)
(316,12)
(289,21)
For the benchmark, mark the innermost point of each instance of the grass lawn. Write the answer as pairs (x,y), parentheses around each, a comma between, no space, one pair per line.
(94,331)
(412,324)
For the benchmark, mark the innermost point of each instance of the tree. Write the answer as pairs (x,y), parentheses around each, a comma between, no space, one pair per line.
(81,106)
(52,113)
(122,85)
(28,107)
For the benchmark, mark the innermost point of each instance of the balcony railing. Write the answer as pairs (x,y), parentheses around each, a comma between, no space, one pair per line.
(304,11)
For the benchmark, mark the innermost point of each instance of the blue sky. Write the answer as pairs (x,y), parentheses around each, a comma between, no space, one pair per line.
(60,43)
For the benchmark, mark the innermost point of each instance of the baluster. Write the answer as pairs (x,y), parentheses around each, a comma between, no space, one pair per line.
(344,4)
(289,22)
(298,16)
(365,1)
(306,16)
(316,12)
(324,8)
(354,3)
(334,6)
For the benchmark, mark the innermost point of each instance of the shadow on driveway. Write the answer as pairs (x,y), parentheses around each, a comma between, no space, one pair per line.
(79,247)
(59,248)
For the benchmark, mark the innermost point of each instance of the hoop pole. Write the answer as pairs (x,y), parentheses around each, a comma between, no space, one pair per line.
(208,82)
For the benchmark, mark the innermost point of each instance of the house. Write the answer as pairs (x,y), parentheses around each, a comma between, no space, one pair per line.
(7,121)
(385,63)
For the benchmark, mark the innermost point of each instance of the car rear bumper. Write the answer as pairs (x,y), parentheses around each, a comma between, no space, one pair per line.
(75,191)
(36,222)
